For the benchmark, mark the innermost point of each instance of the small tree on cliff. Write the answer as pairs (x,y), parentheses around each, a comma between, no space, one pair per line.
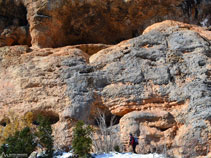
(45,135)
(82,143)
(22,142)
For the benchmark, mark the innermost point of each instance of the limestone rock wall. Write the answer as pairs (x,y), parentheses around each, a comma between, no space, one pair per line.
(158,83)
(91,21)
(162,75)
(30,80)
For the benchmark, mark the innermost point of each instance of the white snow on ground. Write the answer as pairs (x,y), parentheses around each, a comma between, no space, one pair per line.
(128,155)
(64,155)
(116,155)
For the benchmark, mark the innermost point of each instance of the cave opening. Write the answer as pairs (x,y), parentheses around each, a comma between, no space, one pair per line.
(14,29)
(23,19)
(4,122)
(50,116)
(106,119)
(15,14)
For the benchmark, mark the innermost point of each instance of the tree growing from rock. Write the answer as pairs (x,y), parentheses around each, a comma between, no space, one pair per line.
(45,135)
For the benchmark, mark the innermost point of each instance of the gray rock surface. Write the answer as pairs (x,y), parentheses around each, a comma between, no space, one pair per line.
(167,71)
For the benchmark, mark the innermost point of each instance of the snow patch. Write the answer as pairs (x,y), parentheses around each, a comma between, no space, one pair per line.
(64,155)
(128,155)
(114,155)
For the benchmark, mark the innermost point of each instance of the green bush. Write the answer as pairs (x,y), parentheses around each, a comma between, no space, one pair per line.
(116,148)
(14,123)
(45,135)
(20,139)
(82,143)
(22,142)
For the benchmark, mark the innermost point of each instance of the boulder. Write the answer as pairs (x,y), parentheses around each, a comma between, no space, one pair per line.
(15,36)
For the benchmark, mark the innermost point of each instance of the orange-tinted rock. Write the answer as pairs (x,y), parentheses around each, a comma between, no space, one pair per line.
(65,22)
(159,83)
(162,26)
(160,71)
(15,36)
(30,80)
(105,21)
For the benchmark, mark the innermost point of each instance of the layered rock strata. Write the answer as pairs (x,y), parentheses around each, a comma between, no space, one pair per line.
(157,83)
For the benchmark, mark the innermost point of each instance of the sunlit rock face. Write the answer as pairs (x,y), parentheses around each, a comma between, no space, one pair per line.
(158,83)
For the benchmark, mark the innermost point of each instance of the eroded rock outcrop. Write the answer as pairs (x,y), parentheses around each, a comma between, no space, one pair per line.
(158,83)
(165,70)
(64,22)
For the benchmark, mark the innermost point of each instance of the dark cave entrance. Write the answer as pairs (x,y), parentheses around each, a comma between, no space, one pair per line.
(23,19)
(19,19)
(13,15)
(51,116)
(106,119)
(4,122)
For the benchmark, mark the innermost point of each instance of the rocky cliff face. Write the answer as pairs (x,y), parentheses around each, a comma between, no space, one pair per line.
(157,84)
(90,21)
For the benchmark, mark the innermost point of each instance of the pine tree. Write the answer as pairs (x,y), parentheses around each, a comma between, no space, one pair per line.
(82,143)
(45,135)
(21,143)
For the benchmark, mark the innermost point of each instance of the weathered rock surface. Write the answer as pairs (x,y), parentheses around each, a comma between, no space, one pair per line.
(161,27)
(30,81)
(165,71)
(63,22)
(159,83)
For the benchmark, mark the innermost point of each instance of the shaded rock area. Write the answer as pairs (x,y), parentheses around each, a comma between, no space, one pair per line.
(47,23)
(158,84)
(14,27)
